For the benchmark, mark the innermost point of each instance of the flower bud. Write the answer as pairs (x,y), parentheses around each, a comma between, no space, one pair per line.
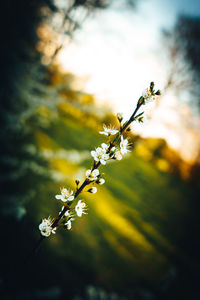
(140,119)
(92,190)
(152,86)
(158,93)
(119,117)
(77,182)
(101,181)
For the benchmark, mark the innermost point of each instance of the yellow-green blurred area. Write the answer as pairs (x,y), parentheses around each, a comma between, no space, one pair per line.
(139,224)
(140,237)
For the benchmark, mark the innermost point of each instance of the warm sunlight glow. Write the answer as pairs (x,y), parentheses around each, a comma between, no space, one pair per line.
(115,57)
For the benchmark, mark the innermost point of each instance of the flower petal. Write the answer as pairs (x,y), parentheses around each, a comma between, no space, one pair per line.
(87,173)
(104,146)
(93,153)
(63,199)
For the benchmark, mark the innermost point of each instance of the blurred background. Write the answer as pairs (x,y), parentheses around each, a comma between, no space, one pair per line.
(67,67)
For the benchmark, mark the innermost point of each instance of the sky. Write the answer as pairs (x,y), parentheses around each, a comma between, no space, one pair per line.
(116,55)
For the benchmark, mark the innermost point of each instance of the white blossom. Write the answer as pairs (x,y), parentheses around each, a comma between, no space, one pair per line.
(66,195)
(109,130)
(124,146)
(148,95)
(101,181)
(100,154)
(80,208)
(92,175)
(118,155)
(68,224)
(45,227)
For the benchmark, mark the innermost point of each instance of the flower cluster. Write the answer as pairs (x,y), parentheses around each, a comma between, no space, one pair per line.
(110,150)
(92,174)
(149,94)
(45,227)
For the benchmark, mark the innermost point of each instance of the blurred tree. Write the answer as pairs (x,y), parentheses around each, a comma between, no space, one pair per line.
(183,46)
(58,29)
